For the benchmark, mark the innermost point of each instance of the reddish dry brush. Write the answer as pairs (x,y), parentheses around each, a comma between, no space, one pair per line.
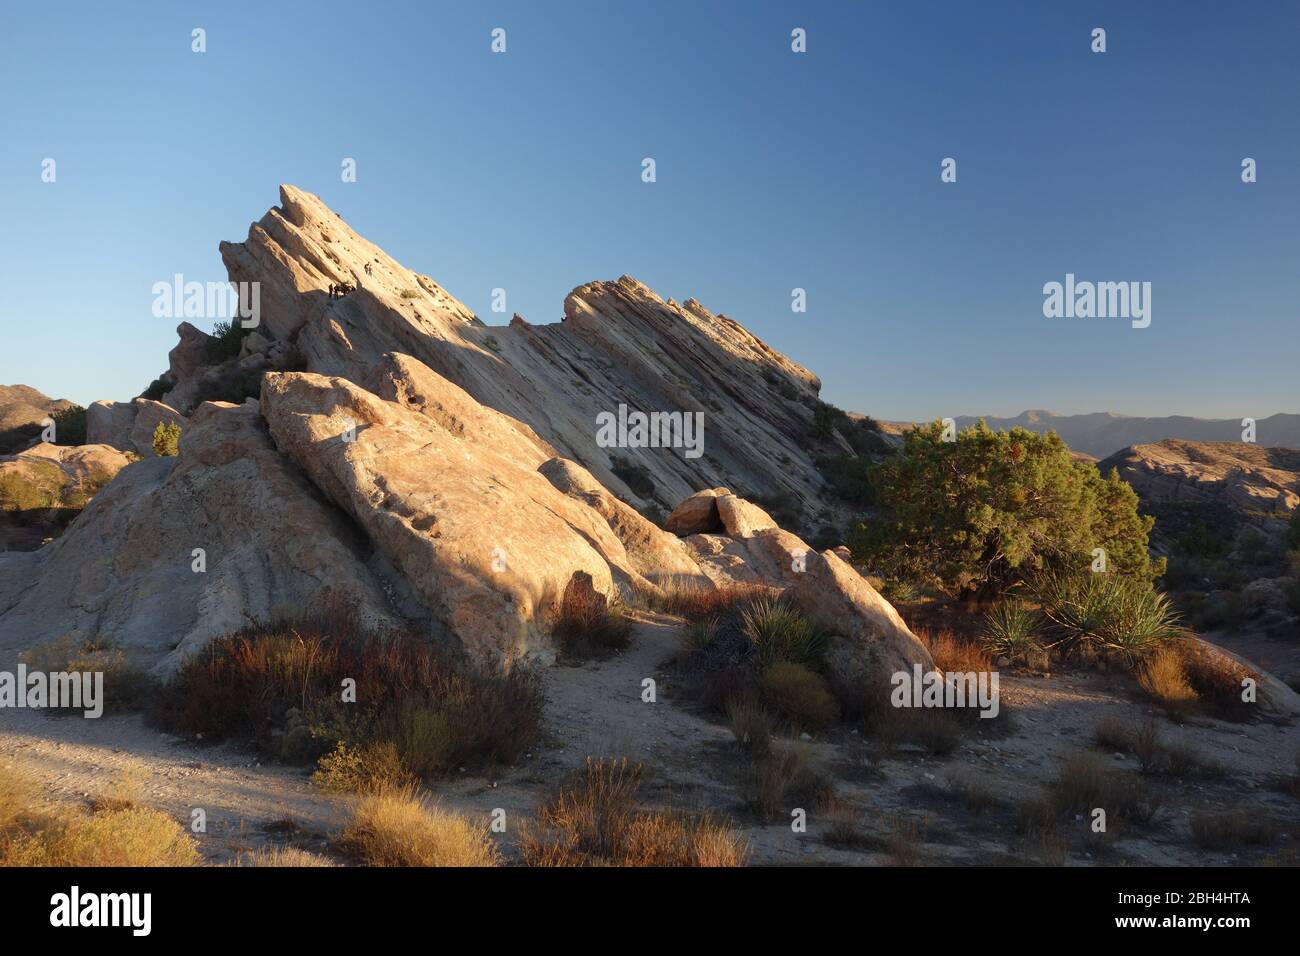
(696,603)
(587,623)
(281,688)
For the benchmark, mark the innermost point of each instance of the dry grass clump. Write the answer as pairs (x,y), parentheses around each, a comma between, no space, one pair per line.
(903,840)
(845,829)
(695,602)
(400,828)
(282,856)
(1232,829)
(589,625)
(33,835)
(801,696)
(782,780)
(280,688)
(1161,675)
(1153,754)
(594,820)
(134,837)
(751,723)
(952,653)
(1217,681)
(1087,782)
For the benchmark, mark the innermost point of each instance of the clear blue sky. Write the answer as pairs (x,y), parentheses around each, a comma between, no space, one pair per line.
(775,170)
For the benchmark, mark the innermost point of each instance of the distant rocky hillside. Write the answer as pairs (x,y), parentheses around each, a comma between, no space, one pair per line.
(1222,513)
(1101,433)
(1247,477)
(22,408)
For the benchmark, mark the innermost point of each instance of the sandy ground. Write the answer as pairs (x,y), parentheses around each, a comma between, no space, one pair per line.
(597,709)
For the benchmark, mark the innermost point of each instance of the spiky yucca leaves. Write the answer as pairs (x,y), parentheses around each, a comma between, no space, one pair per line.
(779,631)
(1117,613)
(1009,629)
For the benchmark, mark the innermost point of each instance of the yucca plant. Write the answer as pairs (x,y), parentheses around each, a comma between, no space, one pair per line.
(1117,613)
(1009,629)
(779,631)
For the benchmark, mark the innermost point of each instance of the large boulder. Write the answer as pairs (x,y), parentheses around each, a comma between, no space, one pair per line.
(129,426)
(109,423)
(125,571)
(697,514)
(741,518)
(868,641)
(449,491)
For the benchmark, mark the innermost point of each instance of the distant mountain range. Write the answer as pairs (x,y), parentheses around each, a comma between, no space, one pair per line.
(1102,434)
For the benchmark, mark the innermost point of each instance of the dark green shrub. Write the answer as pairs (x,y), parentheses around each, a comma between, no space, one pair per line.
(992,508)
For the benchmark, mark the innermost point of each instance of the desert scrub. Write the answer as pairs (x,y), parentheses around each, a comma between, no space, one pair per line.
(1122,617)
(800,696)
(1231,829)
(588,624)
(372,768)
(166,439)
(1087,782)
(129,837)
(279,688)
(400,828)
(783,779)
(595,820)
(126,687)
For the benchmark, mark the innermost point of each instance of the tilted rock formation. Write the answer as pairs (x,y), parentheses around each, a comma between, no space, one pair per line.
(619,343)
(451,493)
(129,426)
(124,572)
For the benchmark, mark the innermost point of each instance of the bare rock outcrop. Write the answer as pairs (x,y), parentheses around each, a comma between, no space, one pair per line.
(129,426)
(487,543)
(868,639)
(1241,476)
(660,557)
(127,573)
(619,344)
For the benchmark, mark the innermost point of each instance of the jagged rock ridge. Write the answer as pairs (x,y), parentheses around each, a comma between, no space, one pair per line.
(619,343)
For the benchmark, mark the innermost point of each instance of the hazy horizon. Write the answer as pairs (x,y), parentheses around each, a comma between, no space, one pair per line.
(775,170)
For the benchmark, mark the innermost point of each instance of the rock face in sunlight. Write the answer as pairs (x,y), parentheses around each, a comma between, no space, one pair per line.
(177,551)
(618,344)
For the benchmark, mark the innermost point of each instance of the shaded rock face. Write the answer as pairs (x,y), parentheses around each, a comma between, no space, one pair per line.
(124,572)
(697,514)
(619,343)
(129,426)
(454,499)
